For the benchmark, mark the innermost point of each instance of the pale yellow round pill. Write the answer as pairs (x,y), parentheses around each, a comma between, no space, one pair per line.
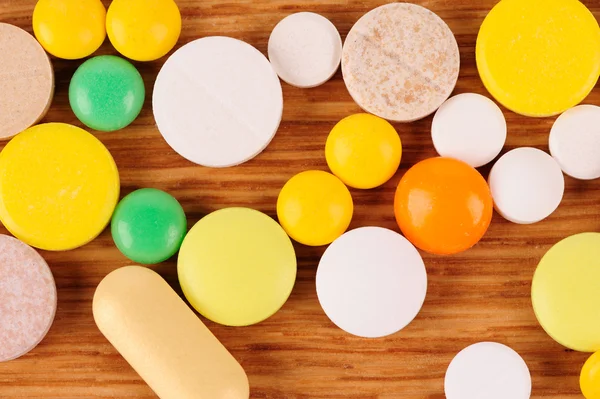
(237,266)
(565,292)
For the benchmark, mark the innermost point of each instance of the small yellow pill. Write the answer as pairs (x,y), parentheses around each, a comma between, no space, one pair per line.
(237,266)
(539,57)
(143,30)
(315,208)
(163,340)
(59,186)
(590,377)
(363,150)
(70,29)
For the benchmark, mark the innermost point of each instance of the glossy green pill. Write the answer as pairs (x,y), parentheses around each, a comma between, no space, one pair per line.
(107,93)
(148,226)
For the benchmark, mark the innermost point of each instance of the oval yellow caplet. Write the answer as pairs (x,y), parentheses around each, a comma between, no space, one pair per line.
(163,340)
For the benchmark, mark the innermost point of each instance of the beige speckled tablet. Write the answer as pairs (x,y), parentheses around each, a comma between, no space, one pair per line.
(27,298)
(400,62)
(26,81)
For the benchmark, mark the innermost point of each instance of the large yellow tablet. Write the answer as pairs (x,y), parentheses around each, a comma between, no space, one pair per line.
(566,292)
(59,186)
(237,266)
(539,57)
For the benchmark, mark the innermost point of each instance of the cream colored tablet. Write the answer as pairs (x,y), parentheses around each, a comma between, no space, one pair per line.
(163,340)
(575,142)
(469,127)
(305,49)
(217,101)
(27,298)
(400,62)
(26,81)
(488,370)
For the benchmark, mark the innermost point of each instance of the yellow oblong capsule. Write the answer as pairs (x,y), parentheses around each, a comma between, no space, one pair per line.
(163,340)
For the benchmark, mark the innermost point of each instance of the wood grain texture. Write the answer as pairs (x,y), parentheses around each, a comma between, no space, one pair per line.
(482,294)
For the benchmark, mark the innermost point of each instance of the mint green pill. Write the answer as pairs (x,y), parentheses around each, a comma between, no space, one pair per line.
(148,226)
(107,93)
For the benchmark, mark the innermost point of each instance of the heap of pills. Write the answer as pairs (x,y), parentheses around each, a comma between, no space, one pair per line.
(218,102)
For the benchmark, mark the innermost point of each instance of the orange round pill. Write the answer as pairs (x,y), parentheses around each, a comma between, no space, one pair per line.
(443,205)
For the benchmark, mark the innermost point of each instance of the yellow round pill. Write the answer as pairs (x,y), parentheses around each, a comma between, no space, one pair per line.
(565,292)
(363,150)
(539,57)
(237,266)
(314,208)
(70,29)
(143,30)
(59,186)
(590,377)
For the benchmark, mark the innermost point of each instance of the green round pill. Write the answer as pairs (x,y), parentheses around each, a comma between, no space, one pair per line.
(107,93)
(148,226)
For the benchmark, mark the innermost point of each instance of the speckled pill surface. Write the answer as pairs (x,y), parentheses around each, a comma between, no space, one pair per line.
(107,93)
(27,298)
(400,61)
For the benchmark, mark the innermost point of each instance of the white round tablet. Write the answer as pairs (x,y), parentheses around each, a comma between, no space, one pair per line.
(305,49)
(469,127)
(575,142)
(371,282)
(527,185)
(488,370)
(217,101)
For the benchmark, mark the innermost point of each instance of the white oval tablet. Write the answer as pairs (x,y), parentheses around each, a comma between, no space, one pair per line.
(469,127)
(575,142)
(488,370)
(27,298)
(527,185)
(305,49)
(371,282)
(217,101)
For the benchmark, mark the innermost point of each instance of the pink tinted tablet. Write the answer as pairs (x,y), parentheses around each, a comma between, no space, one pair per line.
(27,298)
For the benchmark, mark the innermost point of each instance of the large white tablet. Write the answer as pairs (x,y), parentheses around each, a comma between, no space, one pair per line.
(371,282)
(469,127)
(488,370)
(575,142)
(217,101)
(305,49)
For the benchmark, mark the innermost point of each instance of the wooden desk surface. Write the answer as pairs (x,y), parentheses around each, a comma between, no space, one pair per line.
(480,295)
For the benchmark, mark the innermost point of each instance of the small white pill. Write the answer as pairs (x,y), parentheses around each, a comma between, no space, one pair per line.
(488,370)
(217,101)
(305,49)
(469,127)
(371,282)
(527,185)
(575,142)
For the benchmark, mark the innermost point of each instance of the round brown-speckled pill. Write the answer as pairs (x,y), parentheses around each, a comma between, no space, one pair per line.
(400,62)
(26,81)
(27,298)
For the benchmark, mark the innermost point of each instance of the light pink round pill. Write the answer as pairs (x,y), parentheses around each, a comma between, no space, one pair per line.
(27,298)
(400,62)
